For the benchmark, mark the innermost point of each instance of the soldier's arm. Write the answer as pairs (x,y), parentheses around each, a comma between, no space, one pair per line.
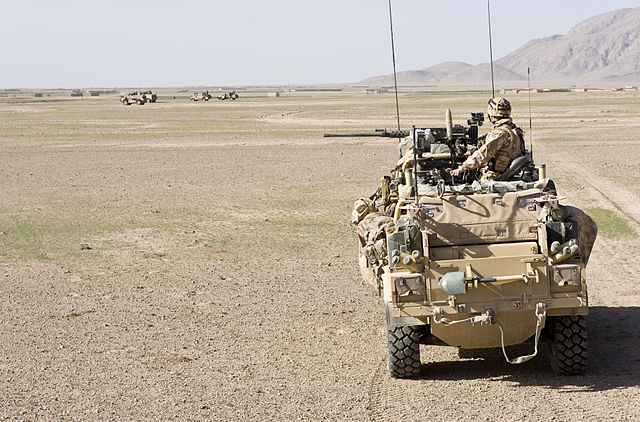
(480,158)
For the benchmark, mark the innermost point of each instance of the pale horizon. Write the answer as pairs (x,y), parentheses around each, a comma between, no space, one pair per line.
(84,44)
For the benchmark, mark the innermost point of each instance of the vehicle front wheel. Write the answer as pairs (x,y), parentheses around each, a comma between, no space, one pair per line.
(568,344)
(404,352)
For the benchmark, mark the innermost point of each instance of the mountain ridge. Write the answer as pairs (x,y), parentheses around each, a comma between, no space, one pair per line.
(602,49)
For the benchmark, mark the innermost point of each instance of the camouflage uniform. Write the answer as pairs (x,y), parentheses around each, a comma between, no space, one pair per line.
(503,143)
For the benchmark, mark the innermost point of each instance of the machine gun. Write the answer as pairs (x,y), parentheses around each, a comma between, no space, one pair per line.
(456,135)
(381,133)
(437,150)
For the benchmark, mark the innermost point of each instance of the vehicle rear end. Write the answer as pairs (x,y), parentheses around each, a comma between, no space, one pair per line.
(480,270)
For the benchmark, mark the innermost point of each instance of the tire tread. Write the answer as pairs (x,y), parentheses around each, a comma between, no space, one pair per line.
(569,345)
(404,352)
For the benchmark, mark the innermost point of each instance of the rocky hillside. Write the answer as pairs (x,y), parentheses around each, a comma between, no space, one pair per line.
(604,48)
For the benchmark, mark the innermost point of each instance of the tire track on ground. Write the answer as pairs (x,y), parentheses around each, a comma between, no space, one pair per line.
(621,199)
(374,393)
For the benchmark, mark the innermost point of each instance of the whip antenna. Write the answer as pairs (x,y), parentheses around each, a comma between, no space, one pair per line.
(395,77)
(493,88)
(529,83)
(530,125)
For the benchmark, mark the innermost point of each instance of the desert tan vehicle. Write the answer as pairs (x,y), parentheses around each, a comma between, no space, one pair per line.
(149,96)
(138,97)
(197,96)
(133,98)
(228,96)
(472,265)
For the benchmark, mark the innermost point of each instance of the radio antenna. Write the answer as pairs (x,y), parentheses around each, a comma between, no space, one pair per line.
(395,77)
(530,125)
(493,87)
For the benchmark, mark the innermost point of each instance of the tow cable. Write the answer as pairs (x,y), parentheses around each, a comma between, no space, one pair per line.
(489,317)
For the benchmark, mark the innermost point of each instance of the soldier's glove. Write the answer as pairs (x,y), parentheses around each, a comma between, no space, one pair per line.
(457,172)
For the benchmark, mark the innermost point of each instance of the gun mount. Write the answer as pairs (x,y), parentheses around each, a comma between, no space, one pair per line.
(437,150)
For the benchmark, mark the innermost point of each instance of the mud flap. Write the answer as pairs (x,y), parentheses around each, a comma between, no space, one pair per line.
(395,322)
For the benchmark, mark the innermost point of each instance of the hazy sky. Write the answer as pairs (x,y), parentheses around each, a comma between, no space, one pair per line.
(86,43)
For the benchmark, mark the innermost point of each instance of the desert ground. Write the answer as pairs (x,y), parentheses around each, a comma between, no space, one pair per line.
(194,261)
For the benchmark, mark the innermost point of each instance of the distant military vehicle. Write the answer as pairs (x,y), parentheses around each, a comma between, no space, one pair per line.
(197,96)
(228,96)
(138,97)
(473,265)
(133,97)
(149,96)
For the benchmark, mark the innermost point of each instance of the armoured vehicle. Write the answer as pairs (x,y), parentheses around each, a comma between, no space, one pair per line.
(472,265)
(228,96)
(149,96)
(197,96)
(138,97)
(132,97)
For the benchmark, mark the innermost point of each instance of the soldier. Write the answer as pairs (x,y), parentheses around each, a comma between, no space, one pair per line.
(503,143)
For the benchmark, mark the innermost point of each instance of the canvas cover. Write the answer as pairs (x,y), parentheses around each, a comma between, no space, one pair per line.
(481,218)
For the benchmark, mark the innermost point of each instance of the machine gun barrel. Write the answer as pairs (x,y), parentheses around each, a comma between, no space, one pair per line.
(380,133)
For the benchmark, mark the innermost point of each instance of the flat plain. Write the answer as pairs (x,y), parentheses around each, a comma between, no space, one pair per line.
(194,261)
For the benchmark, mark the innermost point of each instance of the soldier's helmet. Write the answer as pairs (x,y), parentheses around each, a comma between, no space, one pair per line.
(499,107)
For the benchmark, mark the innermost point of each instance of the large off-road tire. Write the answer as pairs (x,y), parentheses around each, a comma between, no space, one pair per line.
(404,352)
(206,98)
(568,344)
(140,102)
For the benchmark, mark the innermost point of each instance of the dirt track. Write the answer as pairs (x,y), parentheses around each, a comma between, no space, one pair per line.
(194,261)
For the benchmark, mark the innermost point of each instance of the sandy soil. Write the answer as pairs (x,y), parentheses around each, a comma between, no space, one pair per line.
(193,261)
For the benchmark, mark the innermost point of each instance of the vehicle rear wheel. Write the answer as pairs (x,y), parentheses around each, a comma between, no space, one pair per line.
(568,344)
(206,98)
(140,102)
(404,352)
